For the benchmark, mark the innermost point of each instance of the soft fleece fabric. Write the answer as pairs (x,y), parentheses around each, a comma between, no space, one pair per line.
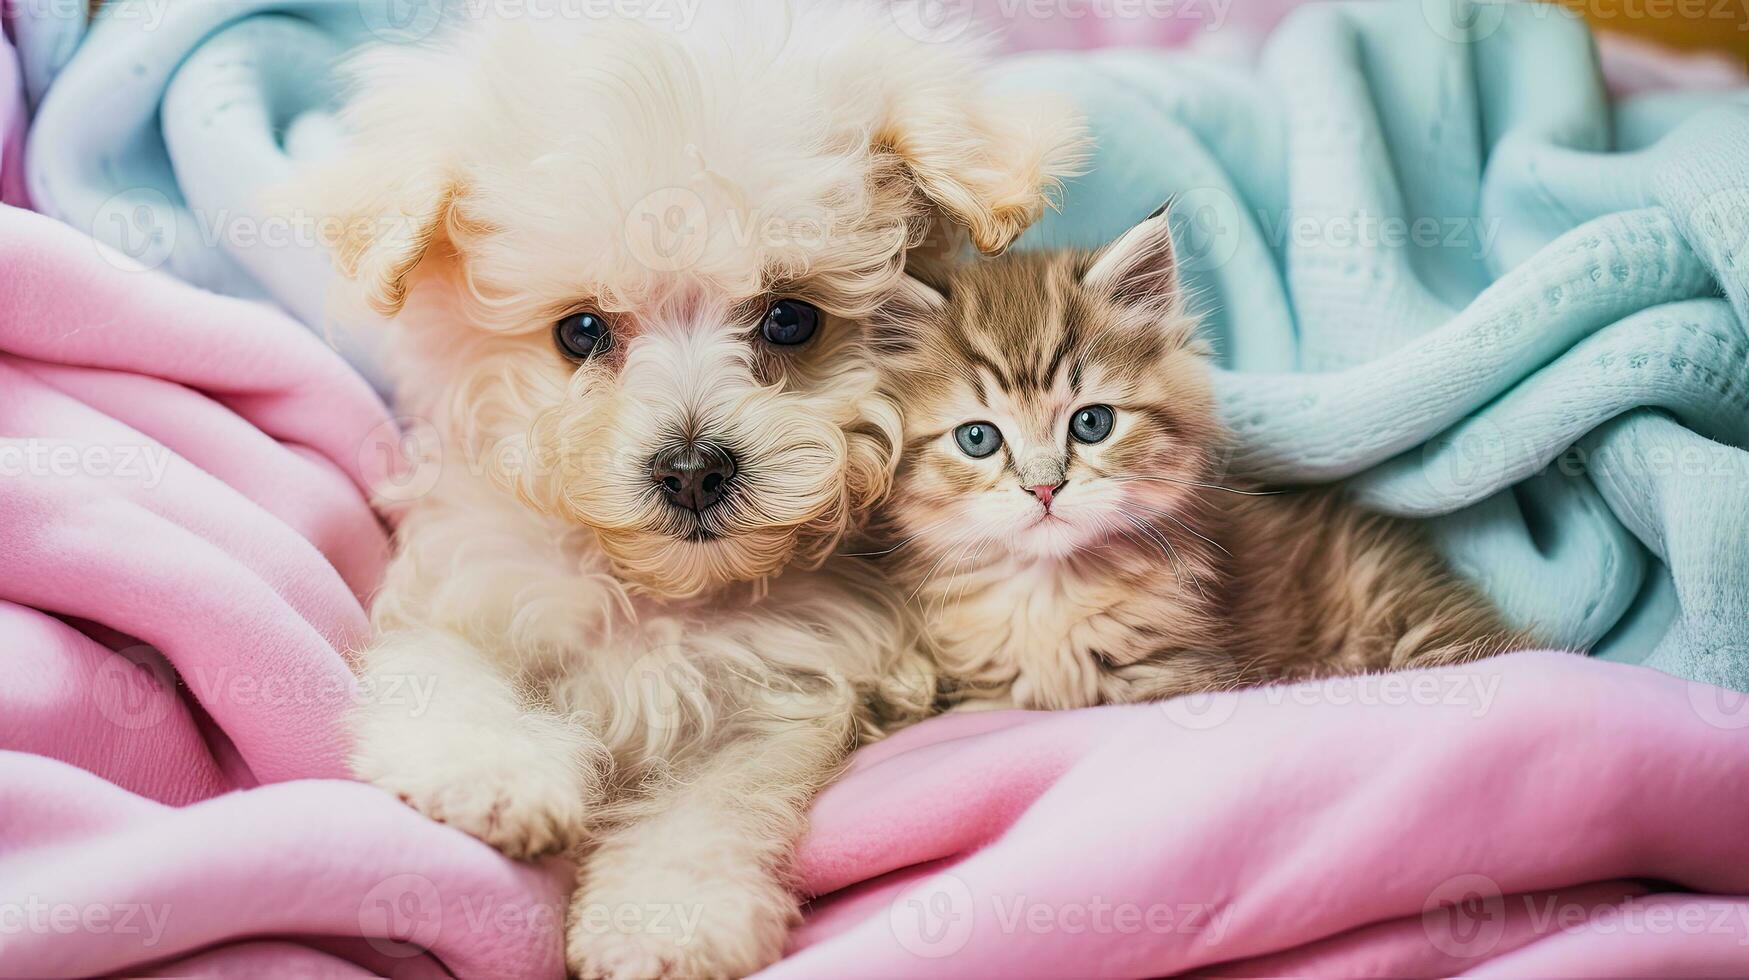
(186,542)
(1432,824)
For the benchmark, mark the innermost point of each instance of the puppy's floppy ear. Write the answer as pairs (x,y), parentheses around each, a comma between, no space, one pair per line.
(1140,269)
(989,164)
(895,325)
(988,161)
(387,226)
(390,195)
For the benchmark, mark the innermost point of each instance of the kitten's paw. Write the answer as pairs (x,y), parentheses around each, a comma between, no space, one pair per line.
(520,789)
(714,929)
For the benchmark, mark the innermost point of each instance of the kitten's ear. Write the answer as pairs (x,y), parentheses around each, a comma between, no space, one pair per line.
(1140,269)
(895,327)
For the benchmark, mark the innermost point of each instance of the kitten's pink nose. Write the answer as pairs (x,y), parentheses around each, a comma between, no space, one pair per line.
(1044,492)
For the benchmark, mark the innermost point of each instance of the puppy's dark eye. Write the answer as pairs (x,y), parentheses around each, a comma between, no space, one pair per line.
(582,335)
(978,439)
(1091,424)
(790,322)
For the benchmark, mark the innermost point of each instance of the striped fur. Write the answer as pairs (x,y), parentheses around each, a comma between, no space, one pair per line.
(1149,574)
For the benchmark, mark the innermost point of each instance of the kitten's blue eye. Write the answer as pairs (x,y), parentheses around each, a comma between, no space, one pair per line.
(582,335)
(978,439)
(790,322)
(1091,424)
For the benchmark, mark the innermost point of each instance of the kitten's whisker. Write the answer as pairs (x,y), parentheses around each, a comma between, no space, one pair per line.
(947,551)
(908,539)
(1196,483)
(1106,529)
(966,583)
(1188,529)
(1178,563)
(929,574)
(1173,561)
(947,597)
(879,554)
(1124,540)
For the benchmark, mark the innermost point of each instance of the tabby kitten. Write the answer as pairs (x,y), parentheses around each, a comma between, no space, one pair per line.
(1061,521)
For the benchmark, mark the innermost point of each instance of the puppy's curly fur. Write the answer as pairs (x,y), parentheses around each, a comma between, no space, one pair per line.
(664,703)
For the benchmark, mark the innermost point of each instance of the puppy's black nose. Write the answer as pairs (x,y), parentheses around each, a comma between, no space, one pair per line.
(693,475)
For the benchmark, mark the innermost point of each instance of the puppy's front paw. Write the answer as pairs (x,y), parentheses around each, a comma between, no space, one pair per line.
(677,925)
(523,789)
(621,957)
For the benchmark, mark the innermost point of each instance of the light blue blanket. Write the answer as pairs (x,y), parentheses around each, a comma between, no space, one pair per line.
(1437,261)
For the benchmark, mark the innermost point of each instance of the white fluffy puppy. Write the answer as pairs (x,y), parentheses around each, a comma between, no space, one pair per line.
(628,267)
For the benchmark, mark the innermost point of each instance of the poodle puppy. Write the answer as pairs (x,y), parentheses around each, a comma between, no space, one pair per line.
(628,268)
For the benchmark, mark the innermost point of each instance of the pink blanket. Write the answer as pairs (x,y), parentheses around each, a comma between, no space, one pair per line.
(1534,815)
(186,545)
